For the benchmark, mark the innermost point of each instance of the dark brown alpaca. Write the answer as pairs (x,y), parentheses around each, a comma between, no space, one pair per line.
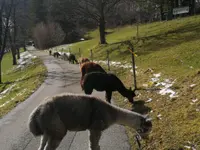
(72,58)
(56,54)
(88,67)
(106,82)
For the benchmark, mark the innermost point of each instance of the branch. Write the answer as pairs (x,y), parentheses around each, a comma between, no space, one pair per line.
(6,31)
(111,4)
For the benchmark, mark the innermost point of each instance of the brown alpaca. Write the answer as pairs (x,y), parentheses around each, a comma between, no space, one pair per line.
(88,67)
(84,60)
(73,112)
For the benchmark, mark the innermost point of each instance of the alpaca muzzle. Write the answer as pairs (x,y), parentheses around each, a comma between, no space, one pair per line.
(146,127)
(131,100)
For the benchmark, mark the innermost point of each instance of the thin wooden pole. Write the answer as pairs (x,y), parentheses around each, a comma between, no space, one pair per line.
(108,59)
(133,66)
(79,52)
(91,55)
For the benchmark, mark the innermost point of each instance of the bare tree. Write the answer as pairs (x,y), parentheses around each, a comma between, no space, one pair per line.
(48,35)
(5,13)
(96,10)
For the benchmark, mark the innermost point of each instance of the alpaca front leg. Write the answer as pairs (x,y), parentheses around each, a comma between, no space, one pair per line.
(43,142)
(108,96)
(53,143)
(94,140)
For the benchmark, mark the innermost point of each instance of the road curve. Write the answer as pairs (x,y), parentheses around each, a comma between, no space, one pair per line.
(62,77)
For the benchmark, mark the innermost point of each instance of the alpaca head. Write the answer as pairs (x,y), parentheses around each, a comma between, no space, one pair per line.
(131,95)
(145,127)
(84,60)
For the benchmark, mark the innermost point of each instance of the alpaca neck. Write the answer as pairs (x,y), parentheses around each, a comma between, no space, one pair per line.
(123,91)
(128,118)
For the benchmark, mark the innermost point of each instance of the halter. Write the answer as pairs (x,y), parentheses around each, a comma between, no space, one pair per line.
(138,138)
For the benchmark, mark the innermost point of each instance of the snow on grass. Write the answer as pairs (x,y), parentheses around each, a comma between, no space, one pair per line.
(26,58)
(2,94)
(4,104)
(12,99)
(164,85)
(116,64)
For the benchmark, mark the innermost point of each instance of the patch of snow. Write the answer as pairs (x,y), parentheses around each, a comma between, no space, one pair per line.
(190,147)
(149,100)
(194,100)
(4,104)
(191,67)
(82,39)
(116,64)
(192,85)
(12,99)
(155,79)
(157,75)
(25,59)
(145,85)
(165,86)
(166,90)
(2,94)
(159,116)
(191,103)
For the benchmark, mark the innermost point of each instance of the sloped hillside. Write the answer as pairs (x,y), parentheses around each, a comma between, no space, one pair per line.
(168,63)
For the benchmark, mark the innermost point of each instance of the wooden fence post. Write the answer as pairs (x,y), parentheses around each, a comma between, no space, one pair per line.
(91,55)
(108,59)
(80,52)
(133,66)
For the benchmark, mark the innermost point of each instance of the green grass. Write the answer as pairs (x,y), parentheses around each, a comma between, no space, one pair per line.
(24,82)
(172,48)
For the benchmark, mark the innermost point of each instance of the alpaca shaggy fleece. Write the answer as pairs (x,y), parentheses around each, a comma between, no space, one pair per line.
(73,112)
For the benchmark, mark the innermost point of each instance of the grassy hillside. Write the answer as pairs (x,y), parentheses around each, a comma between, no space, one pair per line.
(172,49)
(19,83)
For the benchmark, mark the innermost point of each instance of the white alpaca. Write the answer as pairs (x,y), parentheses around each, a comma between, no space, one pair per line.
(73,112)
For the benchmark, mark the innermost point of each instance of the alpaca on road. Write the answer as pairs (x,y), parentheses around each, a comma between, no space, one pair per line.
(72,58)
(84,60)
(73,112)
(88,67)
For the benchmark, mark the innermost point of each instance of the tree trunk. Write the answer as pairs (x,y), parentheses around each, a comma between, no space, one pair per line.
(18,53)
(1,26)
(192,4)
(102,31)
(4,37)
(13,49)
(0,71)
(102,24)
(161,12)
(24,45)
(14,55)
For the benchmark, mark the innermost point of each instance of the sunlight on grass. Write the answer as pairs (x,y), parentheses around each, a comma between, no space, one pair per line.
(20,81)
(173,49)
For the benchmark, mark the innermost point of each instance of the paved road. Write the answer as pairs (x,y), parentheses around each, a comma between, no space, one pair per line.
(62,77)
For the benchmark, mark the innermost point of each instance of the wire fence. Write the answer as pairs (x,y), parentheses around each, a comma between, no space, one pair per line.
(107,59)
